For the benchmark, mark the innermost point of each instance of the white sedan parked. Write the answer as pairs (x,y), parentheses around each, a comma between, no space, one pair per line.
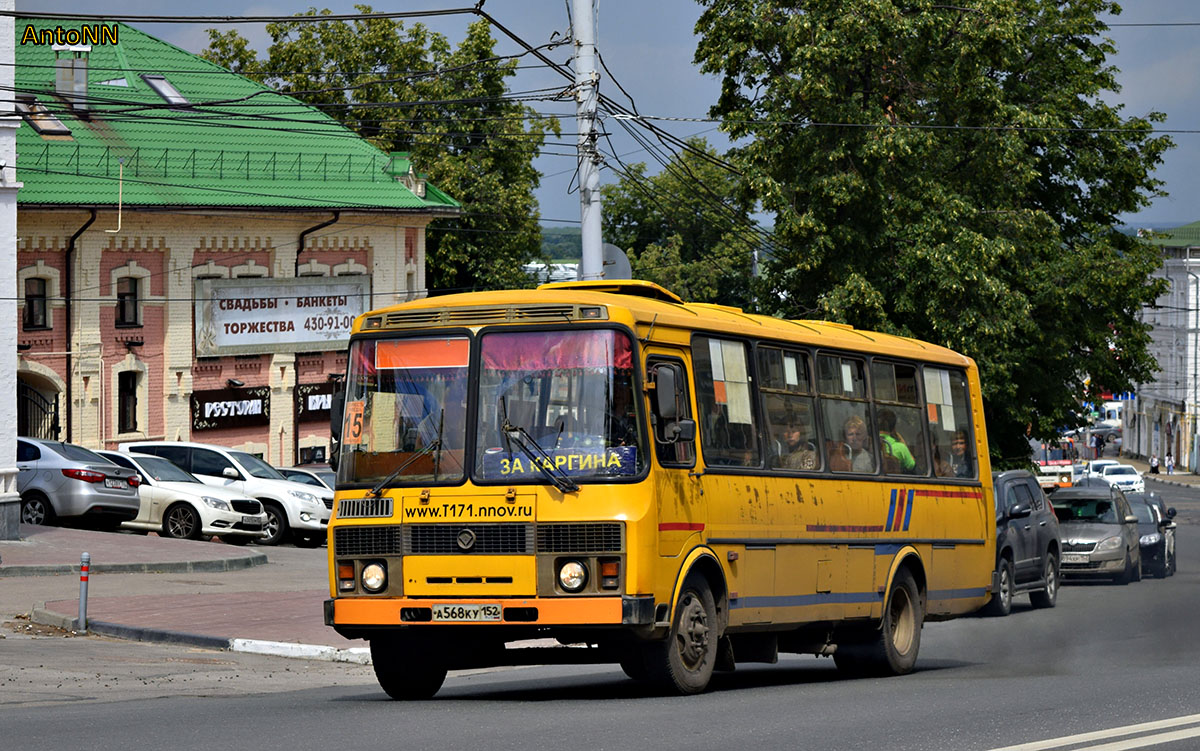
(177,504)
(1124,477)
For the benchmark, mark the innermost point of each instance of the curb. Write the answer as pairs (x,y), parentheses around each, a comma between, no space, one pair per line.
(172,567)
(355,655)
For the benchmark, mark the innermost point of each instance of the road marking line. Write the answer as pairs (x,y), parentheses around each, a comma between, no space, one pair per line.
(1070,740)
(1146,740)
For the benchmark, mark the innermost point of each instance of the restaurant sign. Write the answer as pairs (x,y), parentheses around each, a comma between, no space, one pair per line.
(231,408)
(264,316)
(314,400)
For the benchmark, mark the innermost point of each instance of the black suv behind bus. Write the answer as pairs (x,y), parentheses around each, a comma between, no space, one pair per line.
(1027,543)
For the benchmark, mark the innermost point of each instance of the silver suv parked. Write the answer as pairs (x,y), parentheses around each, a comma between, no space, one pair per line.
(59,480)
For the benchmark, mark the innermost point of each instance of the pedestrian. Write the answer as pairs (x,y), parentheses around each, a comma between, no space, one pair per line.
(1170,463)
(1154,464)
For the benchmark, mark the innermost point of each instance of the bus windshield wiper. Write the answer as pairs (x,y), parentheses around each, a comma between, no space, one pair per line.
(538,457)
(377,491)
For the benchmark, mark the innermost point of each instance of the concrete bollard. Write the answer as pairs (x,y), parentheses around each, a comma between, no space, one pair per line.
(85,562)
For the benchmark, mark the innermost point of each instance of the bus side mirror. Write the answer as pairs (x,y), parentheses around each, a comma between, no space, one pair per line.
(336,406)
(666,391)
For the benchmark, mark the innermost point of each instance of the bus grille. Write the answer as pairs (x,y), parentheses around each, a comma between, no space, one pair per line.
(361,508)
(359,541)
(579,538)
(479,316)
(440,539)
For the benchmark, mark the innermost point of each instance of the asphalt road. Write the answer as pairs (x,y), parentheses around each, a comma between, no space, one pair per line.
(1106,657)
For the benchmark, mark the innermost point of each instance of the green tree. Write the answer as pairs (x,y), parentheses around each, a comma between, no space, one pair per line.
(952,173)
(687,228)
(406,89)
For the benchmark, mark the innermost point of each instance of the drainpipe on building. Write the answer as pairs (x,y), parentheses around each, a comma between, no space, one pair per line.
(70,293)
(1193,461)
(296,361)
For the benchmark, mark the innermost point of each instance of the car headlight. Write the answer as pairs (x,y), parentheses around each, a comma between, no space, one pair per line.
(1109,543)
(216,503)
(303,496)
(374,577)
(572,576)
(1151,539)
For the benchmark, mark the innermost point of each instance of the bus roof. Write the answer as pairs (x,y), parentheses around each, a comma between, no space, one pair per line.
(647,304)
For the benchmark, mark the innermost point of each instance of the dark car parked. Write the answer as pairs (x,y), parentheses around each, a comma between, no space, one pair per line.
(1027,543)
(1099,533)
(1156,534)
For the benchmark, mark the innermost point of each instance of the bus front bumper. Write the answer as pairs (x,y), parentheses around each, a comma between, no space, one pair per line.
(531,611)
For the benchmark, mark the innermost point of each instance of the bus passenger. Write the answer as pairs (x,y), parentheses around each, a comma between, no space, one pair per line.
(854,455)
(798,451)
(959,461)
(892,445)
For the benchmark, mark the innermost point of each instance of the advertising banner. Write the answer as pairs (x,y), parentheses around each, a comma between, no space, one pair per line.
(265,316)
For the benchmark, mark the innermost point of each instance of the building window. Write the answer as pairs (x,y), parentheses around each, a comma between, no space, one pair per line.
(127,382)
(166,90)
(127,302)
(35,304)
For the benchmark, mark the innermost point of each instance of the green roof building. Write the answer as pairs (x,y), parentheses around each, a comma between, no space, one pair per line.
(156,187)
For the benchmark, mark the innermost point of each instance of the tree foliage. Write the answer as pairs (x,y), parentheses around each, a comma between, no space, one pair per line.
(406,89)
(686,228)
(951,173)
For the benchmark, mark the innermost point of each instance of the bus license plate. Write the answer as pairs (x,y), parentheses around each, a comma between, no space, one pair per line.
(1075,558)
(466,612)
(113,482)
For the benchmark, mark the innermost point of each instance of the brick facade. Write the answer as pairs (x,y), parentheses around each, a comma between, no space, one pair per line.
(166,252)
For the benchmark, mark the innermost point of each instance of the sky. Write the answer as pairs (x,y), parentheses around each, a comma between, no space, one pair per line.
(648,45)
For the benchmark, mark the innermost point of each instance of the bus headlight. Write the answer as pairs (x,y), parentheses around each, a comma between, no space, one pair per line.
(374,577)
(572,576)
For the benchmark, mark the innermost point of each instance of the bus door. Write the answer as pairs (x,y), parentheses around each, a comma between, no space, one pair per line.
(682,514)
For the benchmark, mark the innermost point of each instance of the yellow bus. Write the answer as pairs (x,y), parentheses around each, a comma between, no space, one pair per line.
(676,488)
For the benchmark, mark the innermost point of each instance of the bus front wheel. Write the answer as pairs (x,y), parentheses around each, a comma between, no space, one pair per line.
(683,664)
(405,669)
(892,648)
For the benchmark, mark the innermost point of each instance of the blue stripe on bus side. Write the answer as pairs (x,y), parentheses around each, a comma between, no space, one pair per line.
(891,512)
(792,601)
(908,511)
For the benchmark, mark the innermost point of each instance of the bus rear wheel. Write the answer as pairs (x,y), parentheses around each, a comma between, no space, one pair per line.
(683,664)
(892,648)
(406,669)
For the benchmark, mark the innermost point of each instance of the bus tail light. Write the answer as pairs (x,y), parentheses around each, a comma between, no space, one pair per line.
(610,573)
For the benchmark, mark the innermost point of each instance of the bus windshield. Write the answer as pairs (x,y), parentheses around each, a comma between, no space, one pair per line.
(568,392)
(406,399)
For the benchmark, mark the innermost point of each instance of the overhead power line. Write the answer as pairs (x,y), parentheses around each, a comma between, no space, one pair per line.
(128,18)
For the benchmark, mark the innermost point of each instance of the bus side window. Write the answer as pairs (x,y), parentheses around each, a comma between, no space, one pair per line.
(949,420)
(728,433)
(676,450)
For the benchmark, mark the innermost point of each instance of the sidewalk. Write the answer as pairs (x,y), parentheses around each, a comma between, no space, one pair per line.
(199,593)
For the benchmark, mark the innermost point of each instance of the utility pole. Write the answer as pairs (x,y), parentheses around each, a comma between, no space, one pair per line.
(587,79)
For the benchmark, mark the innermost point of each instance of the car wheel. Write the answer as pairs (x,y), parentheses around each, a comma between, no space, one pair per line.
(1047,597)
(684,662)
(36,509)
(181,522)
(406,669)
(892,648)
(1174,561)
(1001,602)
(276,525)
